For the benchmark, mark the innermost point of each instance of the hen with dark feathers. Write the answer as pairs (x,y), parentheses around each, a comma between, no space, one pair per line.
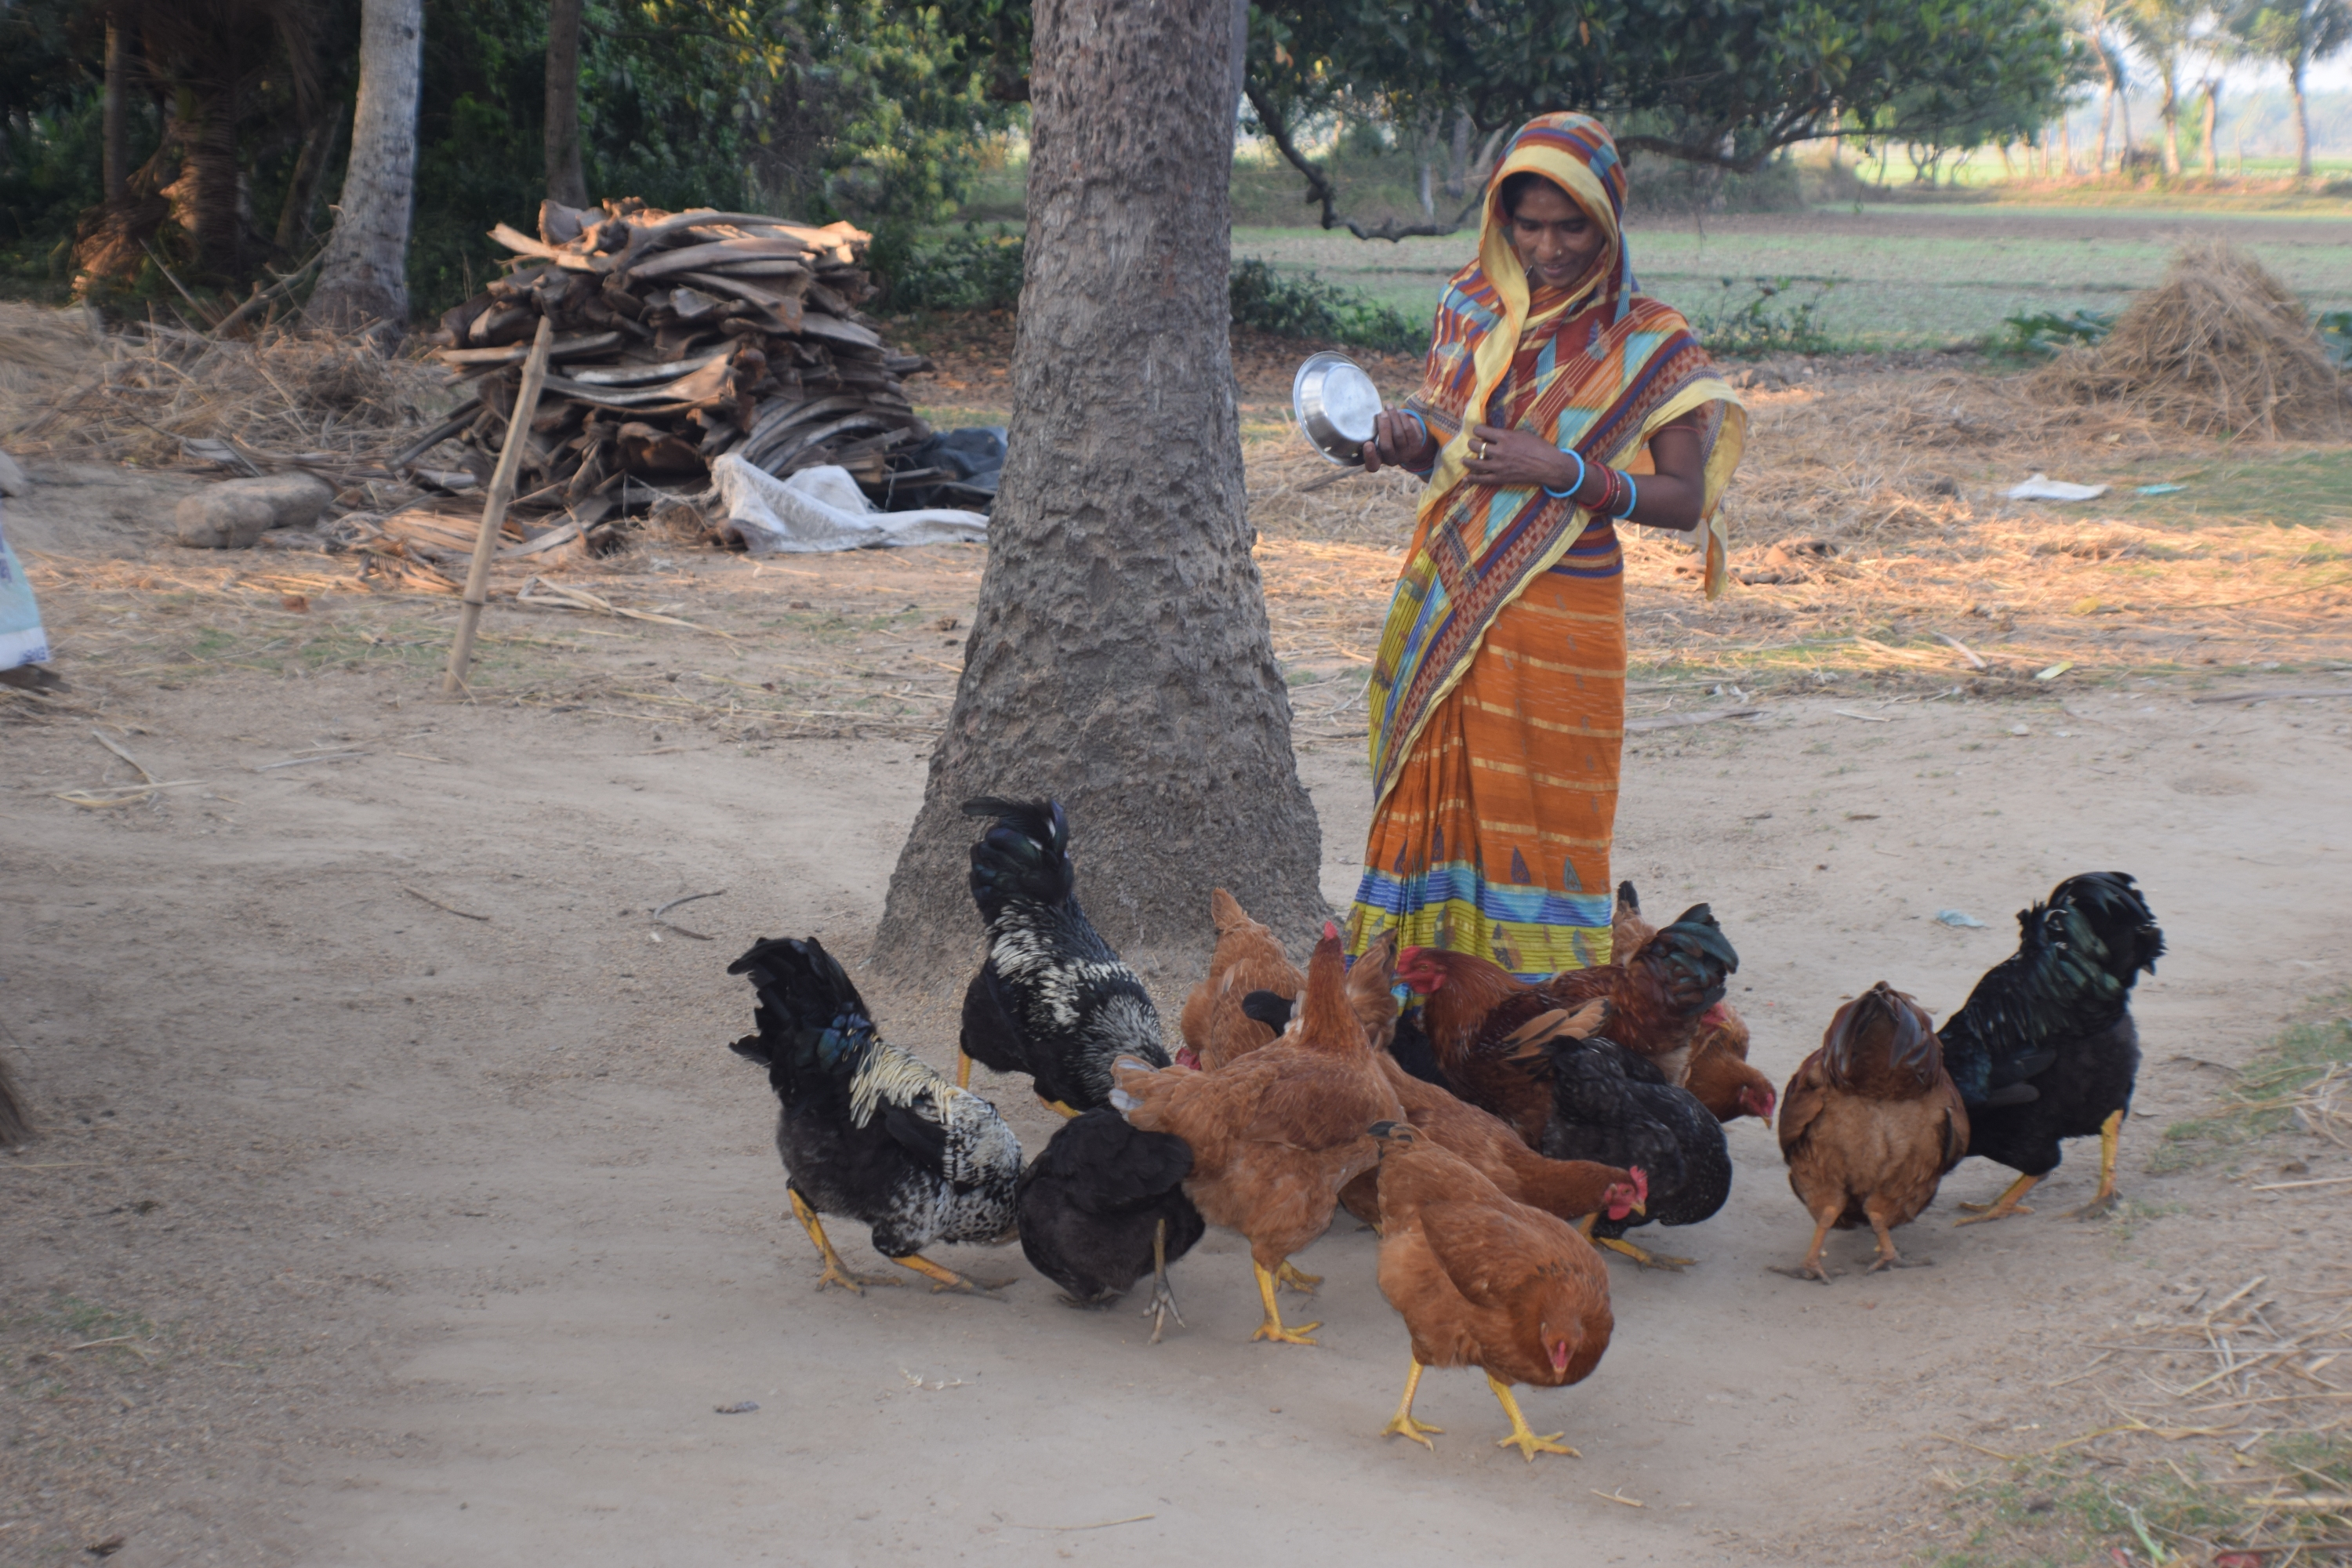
(2045,1049)
(1613,1106)
(1051,1000)
(866,1131)
(1104,1206)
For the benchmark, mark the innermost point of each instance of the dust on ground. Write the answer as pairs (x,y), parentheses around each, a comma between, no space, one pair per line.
(364,1231)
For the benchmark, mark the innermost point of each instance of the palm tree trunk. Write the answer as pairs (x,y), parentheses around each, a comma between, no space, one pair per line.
(365,282)
(212,158)
(2302,117)
(117,178)
(2212,115)
(2168,112)
(565,181)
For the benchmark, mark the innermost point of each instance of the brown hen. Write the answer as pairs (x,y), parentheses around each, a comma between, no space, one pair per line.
(1716,1066)
(1480,1018)
(1276,1134)
(1870,1124)
(1246,958)
(1483,1281)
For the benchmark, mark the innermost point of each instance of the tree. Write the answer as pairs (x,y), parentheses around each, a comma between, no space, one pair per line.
(565,183)
(2165,31)
(2296,34)
(1120,659)
(364,279)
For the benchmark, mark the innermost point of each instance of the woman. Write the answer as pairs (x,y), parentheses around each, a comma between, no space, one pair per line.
(1557,399)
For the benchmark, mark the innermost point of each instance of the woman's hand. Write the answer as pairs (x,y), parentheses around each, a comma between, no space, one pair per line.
(1517,460)
(1398,438)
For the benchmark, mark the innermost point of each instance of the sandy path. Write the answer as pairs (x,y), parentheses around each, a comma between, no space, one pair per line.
(458,1232)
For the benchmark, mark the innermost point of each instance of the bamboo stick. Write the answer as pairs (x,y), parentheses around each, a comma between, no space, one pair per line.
(494,508)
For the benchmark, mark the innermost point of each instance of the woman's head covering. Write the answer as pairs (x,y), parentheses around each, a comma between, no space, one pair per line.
(1576,152)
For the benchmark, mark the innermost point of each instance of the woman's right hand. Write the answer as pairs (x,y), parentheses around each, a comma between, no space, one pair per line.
(1398,438)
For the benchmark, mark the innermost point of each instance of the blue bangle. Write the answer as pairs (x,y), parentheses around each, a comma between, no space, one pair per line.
(1632,496)
(1569,493)
(1417,419)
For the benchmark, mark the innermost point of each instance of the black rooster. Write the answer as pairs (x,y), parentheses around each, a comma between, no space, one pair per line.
(1103,1206)
(866,1131)
(1051,1000)
(2045,1049)
(1614,1106)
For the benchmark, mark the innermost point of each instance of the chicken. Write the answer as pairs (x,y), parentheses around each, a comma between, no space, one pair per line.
(1477,1016)
(1613,1106)
(1051,1000)
(1247,959)
(1277,1133)
(1103,1206)
(1483,1281)
(866,1131)
(2045,1049)
(1871,1124)
(1716,1066)
(1719,1073)
(1657,994)
(1371,992)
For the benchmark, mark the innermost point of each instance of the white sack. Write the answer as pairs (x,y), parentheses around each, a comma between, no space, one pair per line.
(2042,487)
(822,509)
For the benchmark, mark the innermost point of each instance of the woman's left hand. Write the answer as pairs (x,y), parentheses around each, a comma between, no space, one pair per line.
(1517,460)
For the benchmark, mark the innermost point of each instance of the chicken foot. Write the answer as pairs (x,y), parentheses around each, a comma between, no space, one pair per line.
(1059,1108)
(1271,1328)
(1291,1277)
(1521,1433)
(2103,1202)
(2002,1206)
(1887,1256)
(945,1279)
(963,1069)
(1162,1305)
(835,1271)
(1403,1425)
(1647,1260)
(1813,1268)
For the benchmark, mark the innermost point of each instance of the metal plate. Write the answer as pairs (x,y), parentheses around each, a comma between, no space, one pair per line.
(1335,402)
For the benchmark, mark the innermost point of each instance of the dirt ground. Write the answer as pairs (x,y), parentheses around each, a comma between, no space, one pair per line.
(363,1231)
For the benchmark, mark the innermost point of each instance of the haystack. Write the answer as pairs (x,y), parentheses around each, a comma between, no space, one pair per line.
(2220,347)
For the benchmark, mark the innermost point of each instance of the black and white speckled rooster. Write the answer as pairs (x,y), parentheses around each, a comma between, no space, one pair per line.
(867,1132)
(1051,1000)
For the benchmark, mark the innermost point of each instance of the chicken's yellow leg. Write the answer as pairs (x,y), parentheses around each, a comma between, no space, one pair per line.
(963,1069)
(1059,1108)
(1290,1275)
(2111,1137)
(1521,1433)
(946,1279)
(2002,1206)
(1645,1258)
(835,1271)
(1402,1424)
(1811,1267)
(1271,1328)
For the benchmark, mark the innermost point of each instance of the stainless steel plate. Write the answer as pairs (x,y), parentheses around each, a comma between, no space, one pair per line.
(1335,403)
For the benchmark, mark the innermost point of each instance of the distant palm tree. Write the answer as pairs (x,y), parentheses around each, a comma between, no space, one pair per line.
(2165,31)
(2296,34)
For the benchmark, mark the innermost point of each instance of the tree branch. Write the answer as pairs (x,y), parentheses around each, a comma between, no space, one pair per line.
(1319,189)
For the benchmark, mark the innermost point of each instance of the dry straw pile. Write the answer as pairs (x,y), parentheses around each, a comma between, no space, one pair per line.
(2220,347)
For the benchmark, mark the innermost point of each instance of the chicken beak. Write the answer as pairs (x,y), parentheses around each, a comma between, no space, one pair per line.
(1559,1351)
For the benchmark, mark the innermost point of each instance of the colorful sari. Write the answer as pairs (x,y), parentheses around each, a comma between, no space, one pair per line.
(1499,696)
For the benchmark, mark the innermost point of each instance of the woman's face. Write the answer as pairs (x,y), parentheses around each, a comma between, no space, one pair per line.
(1555,241)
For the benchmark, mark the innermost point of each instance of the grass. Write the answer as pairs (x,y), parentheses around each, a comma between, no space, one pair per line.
(2265,1097)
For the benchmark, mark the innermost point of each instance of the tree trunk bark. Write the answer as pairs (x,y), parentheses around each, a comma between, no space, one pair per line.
(2168,112)
(212,157)
(1120,659)
(2211,116)
(2107,119)
(117,129)
(1457,167)
(2301,118)
(565,183)
(364,280)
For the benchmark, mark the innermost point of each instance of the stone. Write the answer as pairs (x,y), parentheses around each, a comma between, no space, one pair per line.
(236,513)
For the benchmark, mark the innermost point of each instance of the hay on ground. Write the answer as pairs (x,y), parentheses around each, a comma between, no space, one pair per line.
(2220,347)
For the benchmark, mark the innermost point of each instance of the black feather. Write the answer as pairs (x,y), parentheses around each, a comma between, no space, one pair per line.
(1414,1052)
(2045,1049)
(1268,1008)
(1090,1204)
(1612,1105)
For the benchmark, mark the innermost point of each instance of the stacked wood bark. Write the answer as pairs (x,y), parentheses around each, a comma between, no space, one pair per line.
(679,337)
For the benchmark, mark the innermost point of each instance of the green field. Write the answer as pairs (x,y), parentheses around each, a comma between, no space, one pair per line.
(1885,277)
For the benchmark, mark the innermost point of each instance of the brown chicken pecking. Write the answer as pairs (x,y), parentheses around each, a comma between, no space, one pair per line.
(1870,1124)
(1483,1281)
(1246,958)
(1276,1134)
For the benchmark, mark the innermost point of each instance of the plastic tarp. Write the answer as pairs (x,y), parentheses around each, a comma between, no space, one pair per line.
(2042,487)
(22,640)
(821,509)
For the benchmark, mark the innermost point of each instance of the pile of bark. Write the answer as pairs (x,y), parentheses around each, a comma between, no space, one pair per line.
(679,337)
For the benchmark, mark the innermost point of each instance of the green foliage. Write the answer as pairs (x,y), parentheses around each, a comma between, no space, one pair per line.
(1771,321)
(966,271)
(2039,335)
(2336,336)
(1301,305)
